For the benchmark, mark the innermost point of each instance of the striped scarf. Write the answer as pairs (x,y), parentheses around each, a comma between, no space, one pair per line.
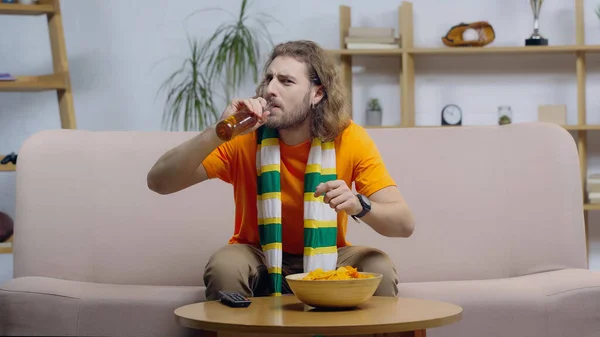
(320,220)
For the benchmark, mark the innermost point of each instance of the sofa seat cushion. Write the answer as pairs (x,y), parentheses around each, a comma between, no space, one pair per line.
(48,306)
(555,303)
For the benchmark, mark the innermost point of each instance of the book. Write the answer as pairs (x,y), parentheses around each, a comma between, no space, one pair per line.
(371,46)
(371,31)
(6,77)
(593,183)
(594,198)
(371,39)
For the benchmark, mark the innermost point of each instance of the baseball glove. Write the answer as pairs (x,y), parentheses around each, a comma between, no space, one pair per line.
(482,33)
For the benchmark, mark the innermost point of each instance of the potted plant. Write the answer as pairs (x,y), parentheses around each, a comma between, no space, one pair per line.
(218,65)
(504,115)
(189,93)
(374,112)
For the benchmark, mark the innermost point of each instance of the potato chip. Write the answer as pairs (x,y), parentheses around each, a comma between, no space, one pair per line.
(342,273)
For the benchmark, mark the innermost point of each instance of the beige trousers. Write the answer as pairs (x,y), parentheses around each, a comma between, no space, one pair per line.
(241,268)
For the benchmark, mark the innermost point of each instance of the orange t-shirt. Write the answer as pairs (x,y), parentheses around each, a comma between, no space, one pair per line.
(357,160)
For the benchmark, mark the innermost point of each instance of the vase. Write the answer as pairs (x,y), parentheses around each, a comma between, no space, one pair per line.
(505,115)
(374,117)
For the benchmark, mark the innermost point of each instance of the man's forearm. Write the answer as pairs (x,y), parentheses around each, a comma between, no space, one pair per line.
(392,219)
(176,169)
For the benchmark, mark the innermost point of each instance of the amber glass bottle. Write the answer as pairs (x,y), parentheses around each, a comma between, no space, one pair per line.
(235,124)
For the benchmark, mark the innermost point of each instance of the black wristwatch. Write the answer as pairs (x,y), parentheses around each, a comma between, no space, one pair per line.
(366,206)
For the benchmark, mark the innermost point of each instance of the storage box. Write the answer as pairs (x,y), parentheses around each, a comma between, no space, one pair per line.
(555,113)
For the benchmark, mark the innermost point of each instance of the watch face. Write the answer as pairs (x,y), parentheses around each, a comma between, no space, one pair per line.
(452,114)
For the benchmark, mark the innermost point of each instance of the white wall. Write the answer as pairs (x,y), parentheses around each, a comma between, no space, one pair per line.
(115,50)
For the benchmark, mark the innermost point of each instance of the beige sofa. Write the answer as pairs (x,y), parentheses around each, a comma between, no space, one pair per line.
(499,231)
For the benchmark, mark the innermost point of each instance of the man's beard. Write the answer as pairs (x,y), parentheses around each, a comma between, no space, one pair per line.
(293,118)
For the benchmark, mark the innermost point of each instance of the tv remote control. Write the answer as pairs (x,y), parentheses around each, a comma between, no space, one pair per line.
(234,300)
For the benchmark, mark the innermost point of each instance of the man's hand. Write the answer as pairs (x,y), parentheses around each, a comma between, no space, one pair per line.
(389,215)
(258,106)
(339,197)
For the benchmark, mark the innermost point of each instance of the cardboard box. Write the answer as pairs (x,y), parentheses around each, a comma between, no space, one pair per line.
(555,113)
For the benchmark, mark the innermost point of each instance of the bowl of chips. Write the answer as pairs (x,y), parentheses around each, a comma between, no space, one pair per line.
(344,287)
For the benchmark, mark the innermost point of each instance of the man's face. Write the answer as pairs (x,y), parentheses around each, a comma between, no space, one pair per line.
(288,89)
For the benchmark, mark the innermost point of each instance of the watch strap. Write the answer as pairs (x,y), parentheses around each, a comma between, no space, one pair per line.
(365,208)
(362,213)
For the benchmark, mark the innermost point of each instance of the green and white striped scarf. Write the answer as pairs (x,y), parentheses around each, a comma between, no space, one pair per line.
(320,220)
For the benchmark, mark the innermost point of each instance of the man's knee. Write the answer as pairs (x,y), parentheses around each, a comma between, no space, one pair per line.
(377,261)
(226,261)
(234,268)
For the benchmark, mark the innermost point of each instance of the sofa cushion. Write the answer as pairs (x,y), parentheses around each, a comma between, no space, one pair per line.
(556,303)
(47,306)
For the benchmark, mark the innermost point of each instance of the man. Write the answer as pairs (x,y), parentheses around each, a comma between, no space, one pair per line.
(291,175)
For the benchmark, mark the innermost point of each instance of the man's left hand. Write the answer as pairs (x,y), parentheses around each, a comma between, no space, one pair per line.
(339,197)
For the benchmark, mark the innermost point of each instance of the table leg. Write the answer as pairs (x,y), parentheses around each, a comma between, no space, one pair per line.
(420,333)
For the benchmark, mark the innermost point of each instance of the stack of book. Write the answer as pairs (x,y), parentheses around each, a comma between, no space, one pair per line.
(371,38)
(593,188)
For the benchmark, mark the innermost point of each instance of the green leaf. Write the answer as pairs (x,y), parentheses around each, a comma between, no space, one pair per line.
(221,63)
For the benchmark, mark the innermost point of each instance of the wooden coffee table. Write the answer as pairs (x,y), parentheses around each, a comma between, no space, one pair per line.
(287,316)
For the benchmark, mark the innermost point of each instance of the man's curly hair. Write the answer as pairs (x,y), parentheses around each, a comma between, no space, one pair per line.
(330,116)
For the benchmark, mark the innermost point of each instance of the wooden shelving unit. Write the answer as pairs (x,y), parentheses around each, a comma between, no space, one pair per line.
(407,53)
(569,49)
(59,80)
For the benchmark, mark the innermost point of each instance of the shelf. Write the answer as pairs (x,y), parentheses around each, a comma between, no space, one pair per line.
(35,83)
(6,250)
(7,246)
(568,49)
(371,52)
(566,127)
(18,9)
(591,207)
(581,127)
(507,50)
(7,167)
